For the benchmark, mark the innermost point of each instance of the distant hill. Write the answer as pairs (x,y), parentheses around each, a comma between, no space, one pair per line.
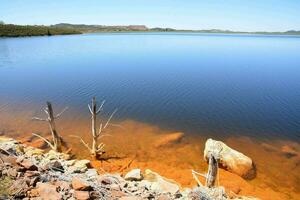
(11,30)
(100,28)
(132,28)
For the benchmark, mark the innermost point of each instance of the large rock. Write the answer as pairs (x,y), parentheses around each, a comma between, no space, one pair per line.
(169,139)
(230,159)
(134,175)
(159,183)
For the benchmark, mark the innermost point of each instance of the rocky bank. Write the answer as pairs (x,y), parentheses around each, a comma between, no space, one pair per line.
(32,173)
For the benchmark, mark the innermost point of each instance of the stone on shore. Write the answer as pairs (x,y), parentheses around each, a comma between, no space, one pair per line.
(169,139)
(27,164)
(230,159)
(160,183)
(82,195)
(48,191)
(134,175)
(79,184)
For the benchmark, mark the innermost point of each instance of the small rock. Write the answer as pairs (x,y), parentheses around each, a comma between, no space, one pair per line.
(163,197)
(63,185)
(34,180)
(30,173)
(9,159)
(169,139)
(81,165)
(56,166)
(48,191)
(134,175)
(117,194)
(288,151)
(19,188)
(145,184)
(12,172)
(160,183)
(230,159)
(130,198)
(104,180)
(79,184)
(30,151)
(28,164)
(70,162)
(82,195)
(91,173)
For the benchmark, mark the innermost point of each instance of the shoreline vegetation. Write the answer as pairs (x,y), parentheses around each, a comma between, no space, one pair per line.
(12,30)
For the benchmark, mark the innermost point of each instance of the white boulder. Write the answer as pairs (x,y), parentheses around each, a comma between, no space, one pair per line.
(230,159)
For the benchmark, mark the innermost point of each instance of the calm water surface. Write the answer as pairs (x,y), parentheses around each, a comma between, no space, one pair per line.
(198,83)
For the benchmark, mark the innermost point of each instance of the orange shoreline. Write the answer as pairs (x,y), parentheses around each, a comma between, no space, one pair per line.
(133,145)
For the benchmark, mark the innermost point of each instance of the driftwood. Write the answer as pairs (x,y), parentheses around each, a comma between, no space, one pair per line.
(56,139)
(211,176)
(212,171)
(97,148)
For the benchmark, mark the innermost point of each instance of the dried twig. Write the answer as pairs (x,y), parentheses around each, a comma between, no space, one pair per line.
(44,139)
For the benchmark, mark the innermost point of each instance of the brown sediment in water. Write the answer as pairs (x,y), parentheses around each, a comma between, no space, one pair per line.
(133,145)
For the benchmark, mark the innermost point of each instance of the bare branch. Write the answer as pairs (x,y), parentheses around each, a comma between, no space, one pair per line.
(100,108)
(47,141)
(46,111)
(59,114)
(100,129)
(83,142)
(196,178)
(39,119)
(109,119)
(117,125)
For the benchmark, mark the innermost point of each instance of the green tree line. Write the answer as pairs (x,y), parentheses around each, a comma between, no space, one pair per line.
(11,30)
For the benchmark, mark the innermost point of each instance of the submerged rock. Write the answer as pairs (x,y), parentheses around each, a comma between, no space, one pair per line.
(169,139)
(230,159)
(288,151)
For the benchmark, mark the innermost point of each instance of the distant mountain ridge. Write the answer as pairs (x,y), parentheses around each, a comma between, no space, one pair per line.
(122,28)
(100,28)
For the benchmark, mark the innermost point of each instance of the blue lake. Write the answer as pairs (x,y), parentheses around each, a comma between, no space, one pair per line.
(197,83)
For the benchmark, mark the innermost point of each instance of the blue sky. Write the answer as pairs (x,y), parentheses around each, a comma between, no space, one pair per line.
(244,15)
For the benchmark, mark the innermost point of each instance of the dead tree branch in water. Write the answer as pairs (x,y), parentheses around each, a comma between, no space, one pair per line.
(97,148)
(56,139)
(210,177)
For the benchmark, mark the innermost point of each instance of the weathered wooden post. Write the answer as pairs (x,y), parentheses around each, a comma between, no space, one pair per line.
(212,171)
(93,111)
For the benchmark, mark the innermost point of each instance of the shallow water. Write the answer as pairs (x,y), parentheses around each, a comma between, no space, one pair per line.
(244,90)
